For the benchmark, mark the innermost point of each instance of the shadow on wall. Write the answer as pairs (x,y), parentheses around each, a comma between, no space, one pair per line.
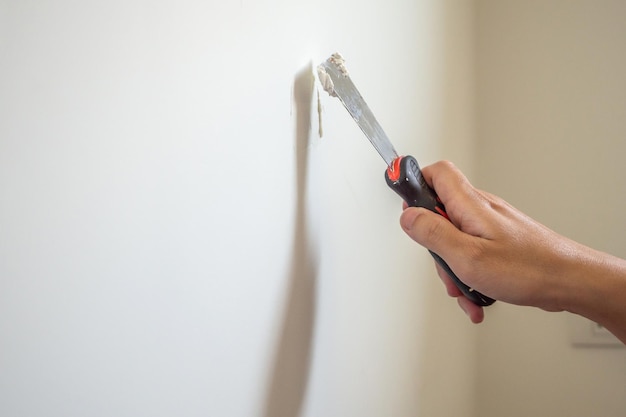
(290,371)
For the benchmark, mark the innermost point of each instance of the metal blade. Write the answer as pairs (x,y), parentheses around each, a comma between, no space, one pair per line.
(343,87)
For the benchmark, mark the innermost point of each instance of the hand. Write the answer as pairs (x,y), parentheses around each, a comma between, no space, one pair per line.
(506,255)
(490,245)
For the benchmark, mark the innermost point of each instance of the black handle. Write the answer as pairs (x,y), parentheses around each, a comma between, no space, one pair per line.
(405,178)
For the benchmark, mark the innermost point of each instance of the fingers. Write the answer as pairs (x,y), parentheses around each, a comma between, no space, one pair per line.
(442,236)
(475,313)
(432,231)
(463,202)
(451,288)
(447,180)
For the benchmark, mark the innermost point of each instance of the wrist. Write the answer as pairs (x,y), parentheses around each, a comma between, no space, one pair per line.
(594,286)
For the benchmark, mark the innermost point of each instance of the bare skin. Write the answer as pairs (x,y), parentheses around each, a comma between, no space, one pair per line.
(506,255)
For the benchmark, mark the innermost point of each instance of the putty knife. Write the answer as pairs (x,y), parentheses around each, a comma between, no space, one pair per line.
(403,174)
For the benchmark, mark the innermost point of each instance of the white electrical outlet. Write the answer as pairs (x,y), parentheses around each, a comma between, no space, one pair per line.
(586,333)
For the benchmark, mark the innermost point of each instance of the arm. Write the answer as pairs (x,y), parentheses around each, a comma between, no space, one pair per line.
(508,256)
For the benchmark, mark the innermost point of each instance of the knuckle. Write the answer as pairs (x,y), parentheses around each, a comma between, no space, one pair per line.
(434,232)
(445,164)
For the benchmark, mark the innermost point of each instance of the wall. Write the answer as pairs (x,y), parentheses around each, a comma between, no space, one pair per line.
(551,100)
(176,238)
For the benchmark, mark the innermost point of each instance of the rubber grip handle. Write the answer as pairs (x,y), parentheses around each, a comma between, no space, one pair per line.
(405,178)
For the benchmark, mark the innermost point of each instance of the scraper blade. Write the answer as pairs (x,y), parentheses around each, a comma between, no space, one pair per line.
(334,77)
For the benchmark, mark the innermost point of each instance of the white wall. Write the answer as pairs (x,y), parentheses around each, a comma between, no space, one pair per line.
(176,239)
(551,97)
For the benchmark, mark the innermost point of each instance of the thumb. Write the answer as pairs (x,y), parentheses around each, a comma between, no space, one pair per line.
(431,230)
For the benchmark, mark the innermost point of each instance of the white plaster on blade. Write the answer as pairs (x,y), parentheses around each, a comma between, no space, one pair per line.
(327,84)
(339,62)
(325,81)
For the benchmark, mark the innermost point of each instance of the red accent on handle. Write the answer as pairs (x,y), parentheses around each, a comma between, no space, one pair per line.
(393,170)
(442,212)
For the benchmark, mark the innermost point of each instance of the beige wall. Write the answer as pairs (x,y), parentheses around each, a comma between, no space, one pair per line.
(551,129)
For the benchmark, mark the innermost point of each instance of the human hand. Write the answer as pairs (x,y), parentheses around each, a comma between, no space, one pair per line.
(491,246)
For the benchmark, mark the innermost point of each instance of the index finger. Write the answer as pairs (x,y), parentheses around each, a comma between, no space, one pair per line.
(453,188)
(446,179)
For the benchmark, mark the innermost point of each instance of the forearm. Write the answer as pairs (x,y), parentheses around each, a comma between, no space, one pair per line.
(595,288)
